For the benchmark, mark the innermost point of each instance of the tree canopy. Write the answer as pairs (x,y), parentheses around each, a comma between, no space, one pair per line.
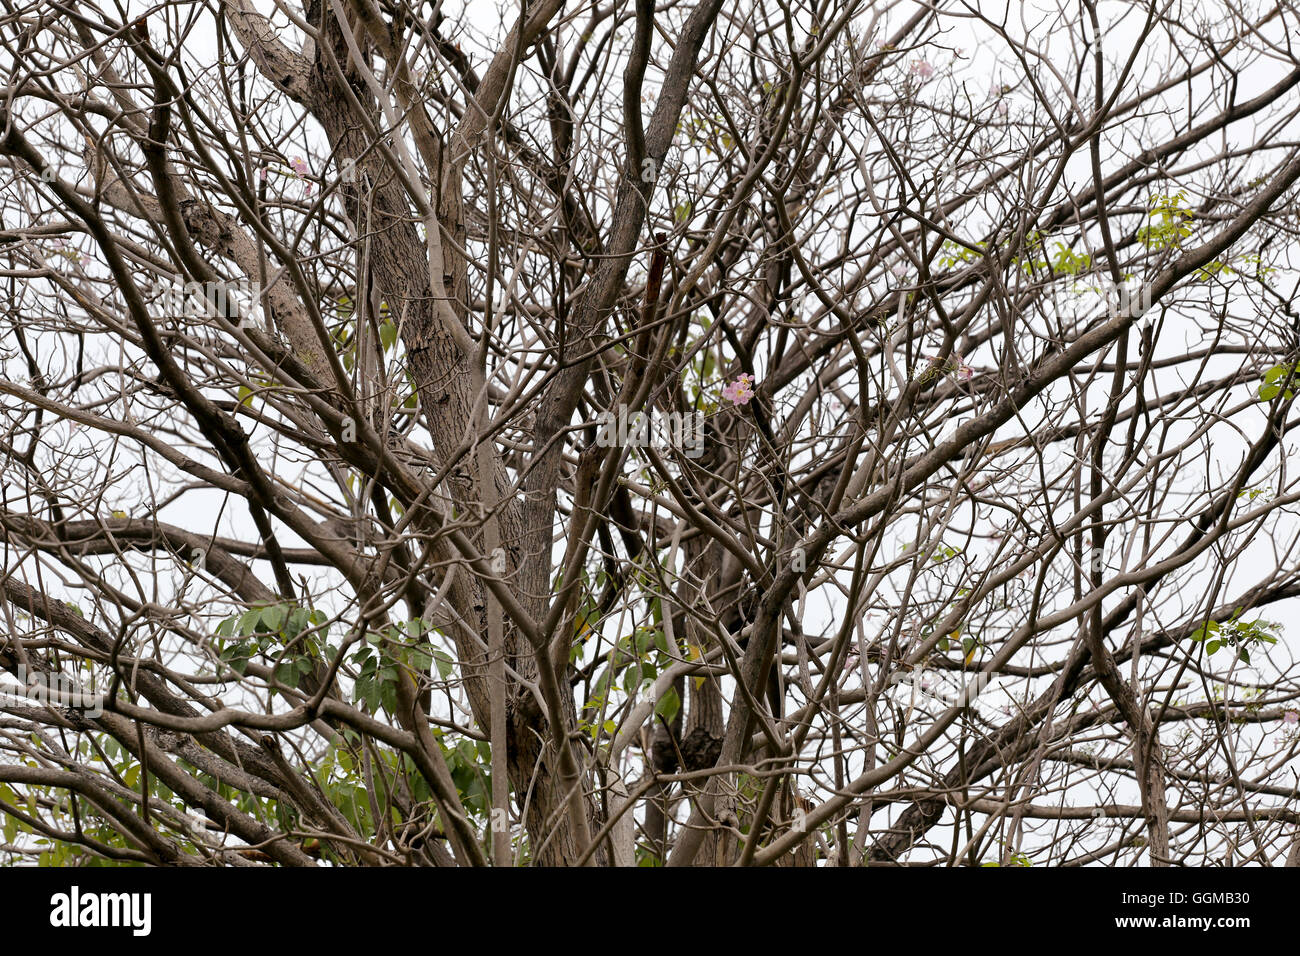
(648,433)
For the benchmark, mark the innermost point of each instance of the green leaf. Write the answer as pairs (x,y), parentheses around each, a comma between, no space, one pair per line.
(248,621)
(1273,380)
(286,673)
(632,678)
(467,751)
(668,705)
(445,663)
(273,617)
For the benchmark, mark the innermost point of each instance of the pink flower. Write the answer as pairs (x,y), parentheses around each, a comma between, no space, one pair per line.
(261,174)
(1291,717)
(740,391)
(955,364)
(1002,107)
(899,270)
(923,69)
(299,166)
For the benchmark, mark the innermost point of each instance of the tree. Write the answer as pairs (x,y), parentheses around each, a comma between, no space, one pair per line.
(648,434)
